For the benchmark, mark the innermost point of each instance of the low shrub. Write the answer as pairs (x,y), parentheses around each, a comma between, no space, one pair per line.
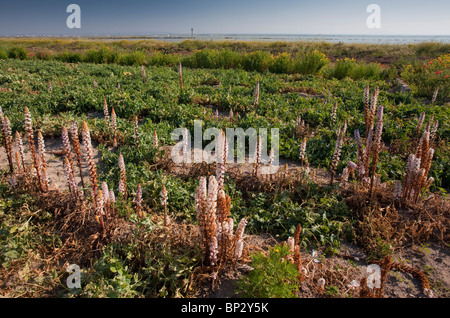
(310,62)
(17,53)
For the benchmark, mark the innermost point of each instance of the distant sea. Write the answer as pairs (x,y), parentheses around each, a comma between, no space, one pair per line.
(374,39)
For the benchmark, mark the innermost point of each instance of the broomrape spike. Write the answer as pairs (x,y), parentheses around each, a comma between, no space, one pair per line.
(398,191)
(139,200)
(186,152)
(408,173)
(18,163)
(420,122)
(436,91)
(106,198)
(224,232)
(114,126)
(180,76)
(2,116)
(221,160)
(360,154)
(144,76)
(256,94)
(258,156)
(106,112)
(376,148)
(43,162)
(99,208)
(70,180)
(336,155)
(434,130)
(155,139)
(123,177)
(424,145)
(8,142)
(29,132)
(112,200)
(20,146)
(90,158)
(223,206)
(200,207)
(302,151)
(374,102)
(239,237)
(366,96)
(211,204)
(333,113)
(77,149)
(41,148)
(67,149)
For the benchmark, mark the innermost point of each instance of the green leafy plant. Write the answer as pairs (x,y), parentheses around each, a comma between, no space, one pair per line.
(273,276)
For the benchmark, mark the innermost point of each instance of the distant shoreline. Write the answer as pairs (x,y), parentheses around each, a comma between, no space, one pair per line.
(329,38)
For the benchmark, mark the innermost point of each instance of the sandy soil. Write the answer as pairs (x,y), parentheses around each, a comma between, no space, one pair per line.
(54,157)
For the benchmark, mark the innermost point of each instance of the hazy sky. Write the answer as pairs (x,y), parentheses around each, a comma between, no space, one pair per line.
(409,17)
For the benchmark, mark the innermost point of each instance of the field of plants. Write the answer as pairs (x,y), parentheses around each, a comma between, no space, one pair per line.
(87,176)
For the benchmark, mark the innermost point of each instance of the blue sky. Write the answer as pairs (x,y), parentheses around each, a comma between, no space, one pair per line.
(408,17)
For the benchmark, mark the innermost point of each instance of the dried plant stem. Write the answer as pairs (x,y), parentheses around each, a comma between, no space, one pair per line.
(258,156)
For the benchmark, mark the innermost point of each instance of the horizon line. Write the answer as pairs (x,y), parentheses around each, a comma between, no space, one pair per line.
(150,34)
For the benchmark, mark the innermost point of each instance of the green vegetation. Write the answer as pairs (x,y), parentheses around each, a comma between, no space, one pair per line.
(61,81)
(273,276)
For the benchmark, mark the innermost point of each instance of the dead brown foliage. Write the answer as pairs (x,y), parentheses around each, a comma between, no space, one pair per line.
(379,220)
